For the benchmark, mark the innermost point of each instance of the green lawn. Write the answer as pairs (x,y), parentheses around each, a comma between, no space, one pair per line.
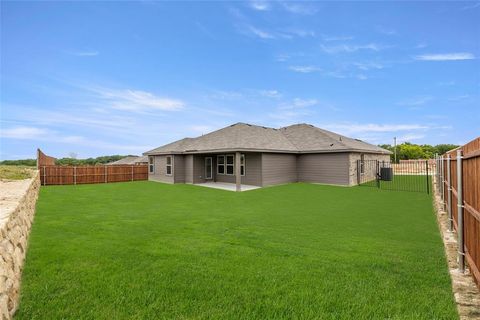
(146,250)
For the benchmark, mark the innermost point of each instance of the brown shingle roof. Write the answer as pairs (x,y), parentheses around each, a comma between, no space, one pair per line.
(129,160)
(299,138)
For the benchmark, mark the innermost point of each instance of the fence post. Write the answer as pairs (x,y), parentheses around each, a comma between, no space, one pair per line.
(74,175)
(428,186)
(44,176)
(132,173)
(449,195)
(105,174)
(378,174)
(461,249)
(442,184)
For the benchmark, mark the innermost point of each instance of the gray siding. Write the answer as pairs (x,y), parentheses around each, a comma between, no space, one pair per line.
(179,168)
(189,168)
(329,168)
(160,170)
(253,171)
(278,168)
(198,169)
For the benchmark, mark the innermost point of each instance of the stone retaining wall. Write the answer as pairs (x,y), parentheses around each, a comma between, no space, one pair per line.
(17,209)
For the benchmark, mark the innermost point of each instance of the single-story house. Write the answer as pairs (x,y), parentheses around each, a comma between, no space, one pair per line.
(253,155)
(131,160)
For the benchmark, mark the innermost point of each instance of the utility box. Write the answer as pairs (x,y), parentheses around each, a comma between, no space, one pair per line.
(386,174)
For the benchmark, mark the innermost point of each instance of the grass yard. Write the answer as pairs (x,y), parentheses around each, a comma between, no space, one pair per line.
(146,250)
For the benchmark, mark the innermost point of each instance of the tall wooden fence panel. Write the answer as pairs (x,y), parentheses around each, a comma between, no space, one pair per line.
(471,200)
(44,160)
(57,175)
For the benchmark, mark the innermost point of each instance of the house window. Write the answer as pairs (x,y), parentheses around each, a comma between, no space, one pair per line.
(362,164)
(221,164)
(230,164)
(242,164)
(169,165)
(151,165)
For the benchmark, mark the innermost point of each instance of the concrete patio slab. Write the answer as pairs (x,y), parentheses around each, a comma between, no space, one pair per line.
(226,186)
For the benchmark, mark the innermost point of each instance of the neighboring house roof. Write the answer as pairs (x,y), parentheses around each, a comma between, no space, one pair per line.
(298,138)
(130,160)
(141,159)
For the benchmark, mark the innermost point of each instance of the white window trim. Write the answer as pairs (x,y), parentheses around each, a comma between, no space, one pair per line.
(169,165)
(151,165)
(231,165)
(362,164)
(244,165)
(218,165)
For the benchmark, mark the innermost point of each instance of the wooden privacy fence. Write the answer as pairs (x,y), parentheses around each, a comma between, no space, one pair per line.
(51,174)
(459,176)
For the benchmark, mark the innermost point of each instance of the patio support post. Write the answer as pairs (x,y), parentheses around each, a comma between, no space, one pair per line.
(461,249)
(238,177)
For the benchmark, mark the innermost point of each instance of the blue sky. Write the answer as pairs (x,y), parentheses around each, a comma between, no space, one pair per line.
(97,78)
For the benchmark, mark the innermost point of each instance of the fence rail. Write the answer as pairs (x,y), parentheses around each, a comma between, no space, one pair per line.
(413,175)
(458,173)
(55,175)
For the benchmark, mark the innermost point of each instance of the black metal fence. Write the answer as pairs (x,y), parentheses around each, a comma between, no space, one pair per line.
(411,175)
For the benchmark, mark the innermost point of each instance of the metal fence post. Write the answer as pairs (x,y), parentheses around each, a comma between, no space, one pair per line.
(378,174)
(461,249)
(428,185)
(449,195)
(74,175)
(442,178)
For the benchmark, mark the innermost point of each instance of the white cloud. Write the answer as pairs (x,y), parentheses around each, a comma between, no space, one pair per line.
(472,6)
(137,100)
(202,129)
(361,77)
(354,128)
(270,93)
(23,132)
(336,38)
(351,48)
(409,137)
(304,69)
(260,33)
(299,8)
(417,101)
(299,103)
(460,97)
(368,65)
(446,56)
(86,53)
(260,5)
(386,31)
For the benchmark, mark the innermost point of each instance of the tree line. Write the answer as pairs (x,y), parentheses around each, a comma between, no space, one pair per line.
(67,161)
(405,151)
(410,151)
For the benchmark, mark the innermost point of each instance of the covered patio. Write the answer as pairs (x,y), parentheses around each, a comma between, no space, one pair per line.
(227,186)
